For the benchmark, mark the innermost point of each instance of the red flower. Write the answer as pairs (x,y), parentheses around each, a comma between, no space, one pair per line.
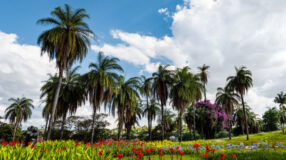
(29,143)
(32,146)
(152,149)
(172,150)
(177,148)
(133,150)
(76,144)
(182,153)
(213,150)
(205,155)
(233,155)
(119,155)
(147,150)
(160,150)
(196,146)
(100,153)
(222,156)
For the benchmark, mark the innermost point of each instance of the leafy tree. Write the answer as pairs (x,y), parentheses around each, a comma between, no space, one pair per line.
(100,82)
(204,77)
(67,41)
(240,83)
(184,92)
(162,81)
(151,112)
(125,100)
(169,124)
(20,110)
(271,119)
(229,100)
(7,131)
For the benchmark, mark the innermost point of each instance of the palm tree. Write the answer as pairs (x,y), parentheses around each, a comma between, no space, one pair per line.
(125,100)
(100,82)
(161,83)
(71,95)
(281,100)
(240,83)
(151,112)
(229,100)
(133,119)
(19,110)
(169,117)
(67,41)
(204,77)
(189,118)
(184,92)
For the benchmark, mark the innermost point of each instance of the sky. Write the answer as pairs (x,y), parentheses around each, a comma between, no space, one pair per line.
(143,34)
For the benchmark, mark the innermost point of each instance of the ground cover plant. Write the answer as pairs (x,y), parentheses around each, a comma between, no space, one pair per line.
(270,145)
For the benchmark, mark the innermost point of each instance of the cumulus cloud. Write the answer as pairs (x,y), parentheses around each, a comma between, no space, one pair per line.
(222,34)
(22,71)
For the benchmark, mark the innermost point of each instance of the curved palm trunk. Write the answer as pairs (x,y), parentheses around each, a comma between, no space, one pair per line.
(46,126)
(194,117)
(92,127)
(180,114)
(55,102)
(245,118)
(163,121)
(63,125)
(15,129)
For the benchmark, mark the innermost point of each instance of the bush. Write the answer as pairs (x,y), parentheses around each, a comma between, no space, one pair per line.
(6,132)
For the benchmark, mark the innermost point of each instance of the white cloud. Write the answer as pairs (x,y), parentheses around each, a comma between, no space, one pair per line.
(222,34)
(22,71)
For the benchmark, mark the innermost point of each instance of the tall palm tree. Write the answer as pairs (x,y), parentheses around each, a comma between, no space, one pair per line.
(133,119)
(151,112)
(100,82)
(162,80)
(20,110)
(189,118)
(229,100)
(184,92)
(67,41)
(240,83)
(204,77)
(281,100)
(125,100)
(71,95)
(169,117)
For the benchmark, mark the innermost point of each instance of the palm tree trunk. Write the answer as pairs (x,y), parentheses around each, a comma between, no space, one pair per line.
(194,117)
(55,102)
(245,118)
(15,129)
(46,126)
(128,130)
(180,114)
(119,130)
(63,124)
(163,121)
(205,94)
(149,127)
(92,127)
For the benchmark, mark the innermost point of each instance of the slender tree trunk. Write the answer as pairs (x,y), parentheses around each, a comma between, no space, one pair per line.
(245,118)
(92,127)
(119,130)
(180,126)
(63,125)
(55,102)
(149,127)
(194,117)
(229,129)
(46,126)
(15,129)
(163,121)
(128,130)
(205,94)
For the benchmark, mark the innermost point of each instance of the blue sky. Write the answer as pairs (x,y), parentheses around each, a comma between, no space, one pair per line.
(146,33)
(105,15)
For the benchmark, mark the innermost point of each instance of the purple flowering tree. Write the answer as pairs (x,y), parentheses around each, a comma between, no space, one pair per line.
(210,119)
